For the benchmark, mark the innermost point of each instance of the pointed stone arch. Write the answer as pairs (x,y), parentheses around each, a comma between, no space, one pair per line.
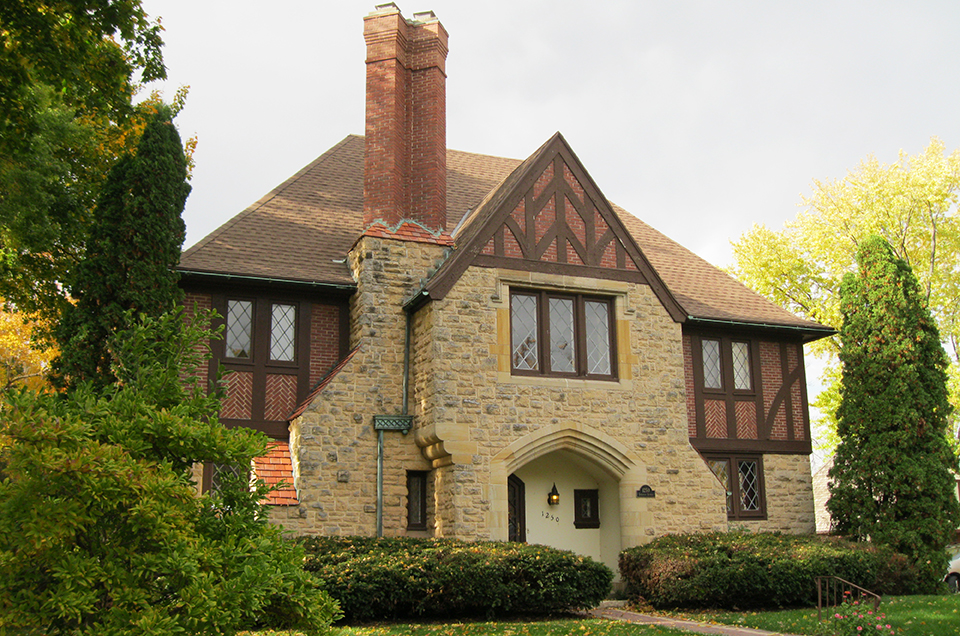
(612,457)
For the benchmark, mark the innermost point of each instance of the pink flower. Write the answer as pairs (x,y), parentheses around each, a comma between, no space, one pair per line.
(859,629)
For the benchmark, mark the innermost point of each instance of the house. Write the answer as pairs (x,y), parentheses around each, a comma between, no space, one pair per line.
(450,344)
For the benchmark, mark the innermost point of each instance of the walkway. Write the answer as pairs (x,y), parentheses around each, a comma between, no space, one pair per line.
(617,614)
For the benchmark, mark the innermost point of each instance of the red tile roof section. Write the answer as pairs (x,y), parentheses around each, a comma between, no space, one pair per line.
(408,231)
(276,468)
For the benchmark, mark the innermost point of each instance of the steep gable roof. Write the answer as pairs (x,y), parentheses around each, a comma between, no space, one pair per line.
(302,230)
(549,214)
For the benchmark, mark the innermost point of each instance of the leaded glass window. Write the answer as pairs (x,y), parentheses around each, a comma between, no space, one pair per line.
(283,332)
(598,337)
(741,366)
(561,334)
(744,487)
(562,344)
(712,376)
(523,329)
(239,336)
(586,511)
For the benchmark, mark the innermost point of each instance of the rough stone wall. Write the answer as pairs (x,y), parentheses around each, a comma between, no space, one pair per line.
(789,489)
(470,408)
(334,442)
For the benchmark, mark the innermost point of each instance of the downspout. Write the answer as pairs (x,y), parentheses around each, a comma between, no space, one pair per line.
(387,423)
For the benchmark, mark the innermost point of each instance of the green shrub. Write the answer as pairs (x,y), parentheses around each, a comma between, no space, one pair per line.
(750,571)
(395,578)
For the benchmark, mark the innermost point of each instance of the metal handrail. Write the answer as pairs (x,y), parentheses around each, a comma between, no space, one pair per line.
(837,590)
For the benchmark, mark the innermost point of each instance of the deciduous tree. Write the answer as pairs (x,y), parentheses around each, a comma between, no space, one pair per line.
(891,477)
(102,530)
(911,203)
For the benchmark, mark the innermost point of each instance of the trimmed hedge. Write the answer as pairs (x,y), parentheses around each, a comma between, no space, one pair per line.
(751,571)
(376,579)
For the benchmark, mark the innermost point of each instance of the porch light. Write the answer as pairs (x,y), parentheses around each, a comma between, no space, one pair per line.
(553,497)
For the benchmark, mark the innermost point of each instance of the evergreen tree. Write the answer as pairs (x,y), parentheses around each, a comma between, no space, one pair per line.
(891,480)
(133,248)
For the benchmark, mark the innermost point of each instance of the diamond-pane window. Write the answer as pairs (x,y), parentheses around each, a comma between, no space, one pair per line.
(561,334)
(598,337)
(562,349)
(523,323)
(721,468)
(239,328)
(741,366)
(711,364)
(749,485)
(283,332)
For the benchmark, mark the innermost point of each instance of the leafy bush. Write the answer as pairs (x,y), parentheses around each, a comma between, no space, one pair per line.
(394,578)
(749,571)
(101,527)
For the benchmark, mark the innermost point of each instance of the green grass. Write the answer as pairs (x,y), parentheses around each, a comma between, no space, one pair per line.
(908,615)
(572,627)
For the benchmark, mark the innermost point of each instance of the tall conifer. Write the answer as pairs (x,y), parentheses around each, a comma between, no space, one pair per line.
(131,253)
(891,480)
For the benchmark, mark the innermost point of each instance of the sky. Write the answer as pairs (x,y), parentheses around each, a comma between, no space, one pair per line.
(701,118)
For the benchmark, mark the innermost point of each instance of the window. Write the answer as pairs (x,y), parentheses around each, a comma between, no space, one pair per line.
(745,498)
(242,325)
(561,335)
(726,363)
(416,500)
(586,509)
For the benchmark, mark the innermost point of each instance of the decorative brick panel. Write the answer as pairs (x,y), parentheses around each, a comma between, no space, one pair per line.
(520,216)
(324,340)
(281,397)
(746,420)
(238,403)
(688,384)
(771,373)
(573,183)
(715,414)
(202,302)
(511,247)
(545,178)
(489,249)
(778,431)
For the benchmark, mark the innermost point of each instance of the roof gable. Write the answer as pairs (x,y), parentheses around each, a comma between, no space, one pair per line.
(549,215)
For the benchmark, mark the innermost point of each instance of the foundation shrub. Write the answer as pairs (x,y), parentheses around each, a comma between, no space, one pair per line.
(375,579)
(752,571)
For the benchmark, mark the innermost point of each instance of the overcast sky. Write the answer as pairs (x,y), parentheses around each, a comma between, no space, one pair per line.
(701,118)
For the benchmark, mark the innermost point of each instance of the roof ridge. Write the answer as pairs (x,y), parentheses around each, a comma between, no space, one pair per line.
(259,203)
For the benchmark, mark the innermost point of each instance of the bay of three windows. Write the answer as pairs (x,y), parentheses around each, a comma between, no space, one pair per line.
(559,334)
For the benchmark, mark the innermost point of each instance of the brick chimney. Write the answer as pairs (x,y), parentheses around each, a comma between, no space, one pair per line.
(405,157)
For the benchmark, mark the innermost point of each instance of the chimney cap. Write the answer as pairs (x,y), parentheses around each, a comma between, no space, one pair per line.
(424,16)
(386,7)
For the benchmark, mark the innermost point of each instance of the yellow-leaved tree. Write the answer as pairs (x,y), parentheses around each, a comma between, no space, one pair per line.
(912,203)
(21,362)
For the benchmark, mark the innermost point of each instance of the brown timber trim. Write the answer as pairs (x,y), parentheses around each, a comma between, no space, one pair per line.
(765,446)
(567,269)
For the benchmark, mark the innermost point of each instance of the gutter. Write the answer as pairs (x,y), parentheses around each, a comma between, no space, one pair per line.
(812,333)
(264,280)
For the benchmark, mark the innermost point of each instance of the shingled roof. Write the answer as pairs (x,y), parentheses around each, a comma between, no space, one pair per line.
(302,230)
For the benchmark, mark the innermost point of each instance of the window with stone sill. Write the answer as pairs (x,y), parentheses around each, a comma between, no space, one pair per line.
(562,335)
(742,476)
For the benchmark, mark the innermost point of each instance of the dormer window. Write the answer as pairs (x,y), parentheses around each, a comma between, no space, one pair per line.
(562,335)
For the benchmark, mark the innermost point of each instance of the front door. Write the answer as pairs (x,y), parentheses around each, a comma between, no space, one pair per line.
(516,507)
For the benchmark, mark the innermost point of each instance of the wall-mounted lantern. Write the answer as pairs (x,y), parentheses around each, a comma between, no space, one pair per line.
(553,497)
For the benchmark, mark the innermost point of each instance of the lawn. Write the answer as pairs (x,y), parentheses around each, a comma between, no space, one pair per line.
(908,615)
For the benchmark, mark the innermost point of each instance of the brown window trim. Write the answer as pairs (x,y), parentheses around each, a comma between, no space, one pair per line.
(417,512)
(727,393)
(735,513)
(581,521)
(580,335)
